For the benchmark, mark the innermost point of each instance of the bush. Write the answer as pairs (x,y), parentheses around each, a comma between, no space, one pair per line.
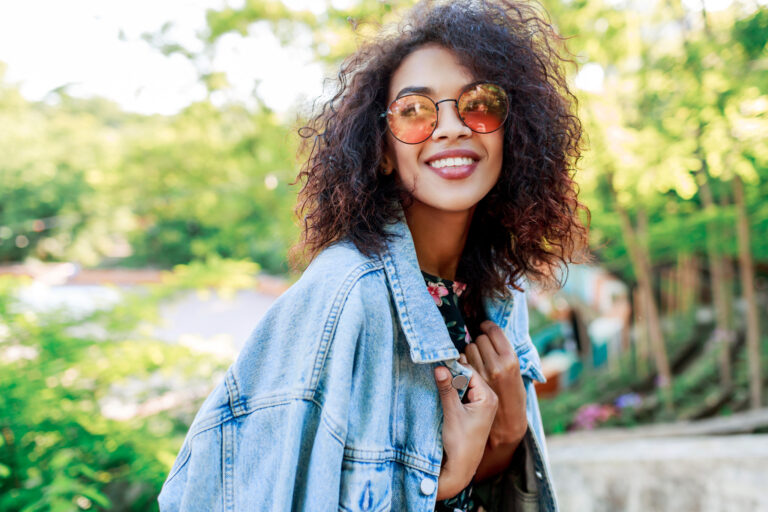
(90,414)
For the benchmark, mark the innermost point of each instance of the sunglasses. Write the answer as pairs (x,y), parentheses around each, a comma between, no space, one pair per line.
(482,107)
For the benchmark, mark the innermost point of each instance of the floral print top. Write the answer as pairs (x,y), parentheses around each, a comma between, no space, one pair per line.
(446,296)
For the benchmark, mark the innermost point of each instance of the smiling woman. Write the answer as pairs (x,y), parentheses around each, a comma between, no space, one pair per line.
(397,373)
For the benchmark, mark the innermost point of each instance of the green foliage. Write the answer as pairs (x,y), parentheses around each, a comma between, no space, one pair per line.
(752,33)
(334,32)
(684,92)
(227,276)
(210,182)
(80,425)
(684,100)
(696,386)
(82,180)
(49,155)
(205,192)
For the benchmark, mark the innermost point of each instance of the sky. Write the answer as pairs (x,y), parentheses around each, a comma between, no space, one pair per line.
(49,43)
(95,48)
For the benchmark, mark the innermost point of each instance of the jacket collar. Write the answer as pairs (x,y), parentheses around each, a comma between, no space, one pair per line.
(420,319)
(422,323)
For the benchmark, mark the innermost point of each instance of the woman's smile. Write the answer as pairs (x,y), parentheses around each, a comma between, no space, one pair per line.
(453,164)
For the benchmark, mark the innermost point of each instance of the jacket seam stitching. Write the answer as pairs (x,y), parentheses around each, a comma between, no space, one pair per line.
(236,404)
(258,403)
(405,318)
(331,321)
(227,463)
(538,459)
(185,453)
(248,408)
(206,427)
(307,395)
(390,455)
(329,424)
(186,449)
(234,393)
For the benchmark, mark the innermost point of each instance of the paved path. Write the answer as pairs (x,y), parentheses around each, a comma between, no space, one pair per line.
(222,324)
(204,321)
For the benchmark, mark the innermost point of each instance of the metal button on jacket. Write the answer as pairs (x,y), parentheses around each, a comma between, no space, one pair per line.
(428,486)
(460,382)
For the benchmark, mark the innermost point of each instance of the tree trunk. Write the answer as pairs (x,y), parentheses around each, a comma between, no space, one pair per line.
(723,335)
(641,334)
(587,358)
(747,275)
(688,282)
(642,268)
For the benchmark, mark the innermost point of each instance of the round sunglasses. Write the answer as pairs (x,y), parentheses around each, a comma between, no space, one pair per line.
(482,107)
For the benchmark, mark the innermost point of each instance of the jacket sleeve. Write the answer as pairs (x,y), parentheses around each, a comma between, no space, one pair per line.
(518,331)
(271,436)
(275,458)
(525,485)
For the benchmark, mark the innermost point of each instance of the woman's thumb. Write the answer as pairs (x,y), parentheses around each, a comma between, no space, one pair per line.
(448,395)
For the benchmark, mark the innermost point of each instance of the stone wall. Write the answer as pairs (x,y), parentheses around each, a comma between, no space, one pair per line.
(594,473)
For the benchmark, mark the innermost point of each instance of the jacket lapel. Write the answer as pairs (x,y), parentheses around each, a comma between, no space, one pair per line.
(419,317)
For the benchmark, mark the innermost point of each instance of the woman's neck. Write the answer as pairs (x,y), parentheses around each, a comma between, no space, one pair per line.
(439,238)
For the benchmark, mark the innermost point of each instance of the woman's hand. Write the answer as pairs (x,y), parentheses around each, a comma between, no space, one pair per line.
(492,356)
(465,430)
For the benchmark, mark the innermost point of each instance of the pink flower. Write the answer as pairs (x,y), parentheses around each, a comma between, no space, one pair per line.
(458,288)
(437,291)
(467,337)
(589,416)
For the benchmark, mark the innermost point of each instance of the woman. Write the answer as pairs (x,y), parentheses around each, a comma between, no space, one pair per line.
(396,374)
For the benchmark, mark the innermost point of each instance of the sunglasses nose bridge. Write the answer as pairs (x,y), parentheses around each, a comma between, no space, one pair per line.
(455,102)
(462,125)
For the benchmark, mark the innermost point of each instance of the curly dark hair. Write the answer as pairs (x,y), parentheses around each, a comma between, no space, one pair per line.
(529,224)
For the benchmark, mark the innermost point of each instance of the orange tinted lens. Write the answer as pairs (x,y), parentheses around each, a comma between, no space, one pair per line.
(412,118)
(483,107)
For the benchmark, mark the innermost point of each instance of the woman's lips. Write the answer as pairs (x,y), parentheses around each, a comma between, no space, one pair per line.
(453,164)
(456,172)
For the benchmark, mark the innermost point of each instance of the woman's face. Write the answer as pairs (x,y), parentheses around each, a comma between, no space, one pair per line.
(422,167)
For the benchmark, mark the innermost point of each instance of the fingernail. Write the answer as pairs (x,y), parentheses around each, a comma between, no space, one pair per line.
(442,374)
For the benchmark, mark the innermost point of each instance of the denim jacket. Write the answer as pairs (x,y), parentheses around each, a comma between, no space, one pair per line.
(332,403)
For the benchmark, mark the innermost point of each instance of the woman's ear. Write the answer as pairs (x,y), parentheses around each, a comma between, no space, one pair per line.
(387,163)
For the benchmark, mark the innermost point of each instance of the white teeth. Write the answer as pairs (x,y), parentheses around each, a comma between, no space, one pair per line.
(451,162)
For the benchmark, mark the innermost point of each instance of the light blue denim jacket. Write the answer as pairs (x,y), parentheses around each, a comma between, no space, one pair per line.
(332,403)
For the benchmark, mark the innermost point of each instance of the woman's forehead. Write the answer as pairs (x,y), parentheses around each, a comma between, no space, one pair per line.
(430,70)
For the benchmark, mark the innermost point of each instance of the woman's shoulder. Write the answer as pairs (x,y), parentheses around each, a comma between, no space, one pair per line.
(338,275)
(340,265)
(338,258)
(325,310)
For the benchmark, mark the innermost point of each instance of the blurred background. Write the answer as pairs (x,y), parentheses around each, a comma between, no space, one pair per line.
(147,151)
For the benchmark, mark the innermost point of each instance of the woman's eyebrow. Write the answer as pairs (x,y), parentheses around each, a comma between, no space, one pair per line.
(420,89)
(414,90)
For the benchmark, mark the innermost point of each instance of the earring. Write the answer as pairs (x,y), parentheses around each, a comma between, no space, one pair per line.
(386,171)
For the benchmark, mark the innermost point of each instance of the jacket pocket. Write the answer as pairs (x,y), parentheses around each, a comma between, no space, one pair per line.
(365,486)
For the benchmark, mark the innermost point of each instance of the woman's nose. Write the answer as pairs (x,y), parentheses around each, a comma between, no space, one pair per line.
(449,124)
